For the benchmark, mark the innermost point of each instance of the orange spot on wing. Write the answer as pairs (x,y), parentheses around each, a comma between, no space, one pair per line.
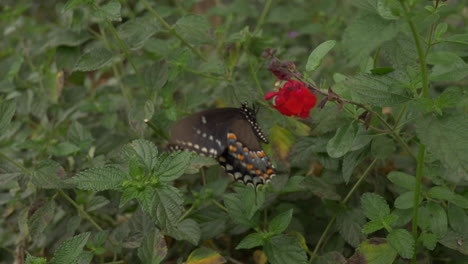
(269,171)
(261,154)
(240,157)
(232,148)
(258,172)
(249,166)
(231,136)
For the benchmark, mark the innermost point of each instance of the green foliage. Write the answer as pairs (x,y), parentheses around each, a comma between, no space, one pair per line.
(90,89)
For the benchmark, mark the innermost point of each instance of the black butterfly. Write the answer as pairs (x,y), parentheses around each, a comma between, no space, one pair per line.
(231,136)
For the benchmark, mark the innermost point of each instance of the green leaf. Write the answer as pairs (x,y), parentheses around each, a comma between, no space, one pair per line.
(445,138)
(321,188)
(187,230)
(283,249)
(67,37)
(64,149)
(251,241)
(440,30)
(241,209)
(40,219)
(166,206)
(109,11)
(80,135)
(406,200)
(377,90)
(7,111)
(402,179)
(195,29)
(382,147)
(317,55)
(366,33)
(70,250)
(377,251)
(375,207)
(343,140)
(153,248)
(35,260)
(49,174)
(448,66)
(136,31)
(97,202)
(402,241)
(438,219)
(172,165)
(350,223)
(350,161)
(428,240)
(93,59)
(204,256)
(455,241)
(372,226)
(444,193)
(99,179)
(145,151)
(280,222)
(457,219)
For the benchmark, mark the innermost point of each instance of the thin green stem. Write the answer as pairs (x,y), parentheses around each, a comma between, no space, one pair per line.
(219,205)
(21,167)
(261,19)
(186,214)
(422,58)
(417,194)
(128,57)
(80,209)
(172,30)
(358,183)
(28,172)
(343,202)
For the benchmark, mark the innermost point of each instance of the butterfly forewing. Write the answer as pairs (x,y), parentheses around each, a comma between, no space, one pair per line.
(231,136)
(204,132)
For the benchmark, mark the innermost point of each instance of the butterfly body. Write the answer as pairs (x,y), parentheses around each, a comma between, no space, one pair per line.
(231,135)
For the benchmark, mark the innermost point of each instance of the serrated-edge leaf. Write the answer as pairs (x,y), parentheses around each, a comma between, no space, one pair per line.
(378,90)
(403,180)
(429,240)
(343,140)
(49,174)
(283,249)
(375,207)
(145,151)
(99,179)
(251,241)
(153,248)
(93,59)
(402,241)
(372,226)
(188,230)
(281,222)
(317,55)
(7,110)
(71,249)
(205,256)
(166,206)
(350,224)
(173,165)
(405,200)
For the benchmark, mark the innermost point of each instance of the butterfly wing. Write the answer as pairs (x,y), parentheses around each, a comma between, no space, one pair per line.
(204,132)
(231,135)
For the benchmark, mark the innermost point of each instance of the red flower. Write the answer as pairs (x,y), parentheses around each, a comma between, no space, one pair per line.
(293,99)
